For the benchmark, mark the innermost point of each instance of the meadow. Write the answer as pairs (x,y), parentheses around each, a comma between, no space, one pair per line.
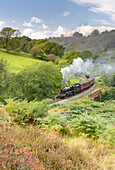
(17,62)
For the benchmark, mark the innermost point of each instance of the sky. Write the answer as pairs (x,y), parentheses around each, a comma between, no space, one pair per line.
(41,19)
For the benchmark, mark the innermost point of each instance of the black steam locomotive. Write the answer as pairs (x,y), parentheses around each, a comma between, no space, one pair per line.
(76,88)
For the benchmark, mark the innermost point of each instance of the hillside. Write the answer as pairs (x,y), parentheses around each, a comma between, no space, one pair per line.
(95,42)
(17,62)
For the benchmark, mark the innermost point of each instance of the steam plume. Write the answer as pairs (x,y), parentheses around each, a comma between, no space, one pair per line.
(80,66)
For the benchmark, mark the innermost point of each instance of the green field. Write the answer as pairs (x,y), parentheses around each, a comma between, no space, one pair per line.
(16,62)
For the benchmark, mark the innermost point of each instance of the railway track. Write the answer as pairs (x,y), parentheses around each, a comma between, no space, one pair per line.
(60,101)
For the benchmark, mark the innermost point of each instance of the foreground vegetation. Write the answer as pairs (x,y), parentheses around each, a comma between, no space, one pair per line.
(31,148)
(82,139)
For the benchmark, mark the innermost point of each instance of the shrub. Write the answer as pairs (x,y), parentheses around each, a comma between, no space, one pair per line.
(26,112)
(4,79)
(39,81)
(107,94)
(85,125)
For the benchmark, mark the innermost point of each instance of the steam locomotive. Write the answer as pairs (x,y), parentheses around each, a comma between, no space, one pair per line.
(76,88)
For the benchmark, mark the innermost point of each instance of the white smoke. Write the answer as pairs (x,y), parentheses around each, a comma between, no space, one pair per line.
(80,66)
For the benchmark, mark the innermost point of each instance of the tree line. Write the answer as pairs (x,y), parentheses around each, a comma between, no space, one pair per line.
(11,40)
(43,49)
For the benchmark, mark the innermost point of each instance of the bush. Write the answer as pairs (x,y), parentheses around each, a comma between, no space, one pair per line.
(107,94)
(85,125)
(4,79)
(109,80)
(26,112)
(38,81)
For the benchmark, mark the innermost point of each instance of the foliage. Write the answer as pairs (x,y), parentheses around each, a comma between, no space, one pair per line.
(68,57)
(95,119)
(52,48)
(38,53)
(108,80)
(26,112)
(95,56)
(52,57)
(14,44)
(39,81)
(72,54)
(5,118)
(8,33)
(61,62)
(107,94)
(87,54)
(24,40)
(4,79)
(85,124)
(2,42)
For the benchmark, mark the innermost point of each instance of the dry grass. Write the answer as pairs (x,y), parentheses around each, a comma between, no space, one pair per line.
(103,154)
(58,110)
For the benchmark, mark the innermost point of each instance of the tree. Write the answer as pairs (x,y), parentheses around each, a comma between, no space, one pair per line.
(52,57)
(87,54)
(52,48)
(4,79)
(2,42)
(14,44)
(72,54)
(95,33)
(38,53)
(24,43)
(8,33)
(39,81)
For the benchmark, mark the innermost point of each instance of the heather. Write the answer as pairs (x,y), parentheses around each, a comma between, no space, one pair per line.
(31,148)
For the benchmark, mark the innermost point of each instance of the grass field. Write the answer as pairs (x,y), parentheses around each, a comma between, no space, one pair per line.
(16,62)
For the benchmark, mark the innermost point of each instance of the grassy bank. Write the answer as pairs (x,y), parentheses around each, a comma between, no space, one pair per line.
(16,62)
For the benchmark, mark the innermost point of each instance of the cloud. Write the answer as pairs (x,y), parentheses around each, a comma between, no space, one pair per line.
(66,13)
(27,31)
(61,30)
(36,20)
(103,22)
(40,34)
(2,23)
(87,29)
(44,26)
(28,24)
(13,21)
(84,29)
(101,6)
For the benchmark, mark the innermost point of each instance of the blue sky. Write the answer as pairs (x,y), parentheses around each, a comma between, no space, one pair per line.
(48,18)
